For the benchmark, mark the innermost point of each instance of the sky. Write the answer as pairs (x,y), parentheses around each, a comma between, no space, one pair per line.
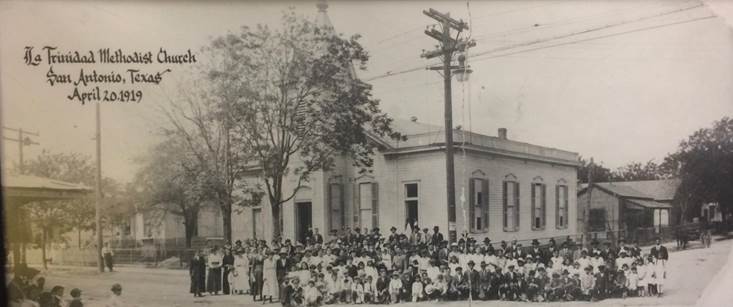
(620,81)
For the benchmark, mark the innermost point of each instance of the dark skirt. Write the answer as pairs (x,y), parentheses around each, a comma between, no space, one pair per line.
(198,282)
(213,281)
(225,285)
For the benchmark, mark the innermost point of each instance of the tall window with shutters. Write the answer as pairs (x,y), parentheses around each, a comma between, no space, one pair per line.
(510,198)
(478,204)
(336,206)
(538,206)
(561,206)
(368,205)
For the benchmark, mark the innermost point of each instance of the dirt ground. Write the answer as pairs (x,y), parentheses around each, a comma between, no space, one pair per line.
(688,273)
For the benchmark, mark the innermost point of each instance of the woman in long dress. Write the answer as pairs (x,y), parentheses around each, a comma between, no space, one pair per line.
(213,280)
(227,269)
(270,287)
(241,269)
(197,271)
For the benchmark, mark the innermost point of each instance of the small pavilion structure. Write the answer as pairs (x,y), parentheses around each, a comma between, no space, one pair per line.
(19,190)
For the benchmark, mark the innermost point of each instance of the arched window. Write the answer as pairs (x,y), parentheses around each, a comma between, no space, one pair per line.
(561,204)
(510,199)
(539,203)
(478,200)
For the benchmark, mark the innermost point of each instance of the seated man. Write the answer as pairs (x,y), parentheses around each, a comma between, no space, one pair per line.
(555,289)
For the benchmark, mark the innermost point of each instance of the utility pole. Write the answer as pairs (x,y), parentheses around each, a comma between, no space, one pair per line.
(586,212)
(446,49)
(22,140)
(98,190)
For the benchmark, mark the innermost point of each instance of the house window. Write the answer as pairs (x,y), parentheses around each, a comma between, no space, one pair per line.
(561,206)
(479,204)
(336,204)
(538,206)
(511,205)
(597,219)
(368,205)
(411,203)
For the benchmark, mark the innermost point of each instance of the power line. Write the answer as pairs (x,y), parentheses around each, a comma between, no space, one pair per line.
(411,30)
(586,31)
(599,37)
(556,23)
(526,44)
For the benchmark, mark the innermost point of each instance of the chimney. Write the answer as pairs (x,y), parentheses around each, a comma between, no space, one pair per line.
(413,119)
(502,133)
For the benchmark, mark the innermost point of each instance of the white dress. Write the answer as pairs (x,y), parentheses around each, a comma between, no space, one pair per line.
(270,286)
(241,267)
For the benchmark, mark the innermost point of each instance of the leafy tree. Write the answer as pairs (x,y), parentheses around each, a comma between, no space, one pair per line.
(197,116)
(294,102)
(169,181)
(599,174)
(637,171)
(704,163)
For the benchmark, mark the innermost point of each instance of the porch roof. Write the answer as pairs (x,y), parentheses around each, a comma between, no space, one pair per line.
(19,189)
(646,204)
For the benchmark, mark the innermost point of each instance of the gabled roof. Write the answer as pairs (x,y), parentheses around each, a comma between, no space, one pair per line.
(659,190)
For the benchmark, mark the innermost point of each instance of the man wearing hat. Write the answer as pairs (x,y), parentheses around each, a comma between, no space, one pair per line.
(471,276)
(484,276)
(602,282)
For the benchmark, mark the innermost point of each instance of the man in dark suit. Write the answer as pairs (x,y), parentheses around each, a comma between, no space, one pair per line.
(472,279)
(484,282)
(660,252)
(281,269)
(437,236)
(382,287)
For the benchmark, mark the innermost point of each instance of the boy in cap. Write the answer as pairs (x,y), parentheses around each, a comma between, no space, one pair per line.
(382,288)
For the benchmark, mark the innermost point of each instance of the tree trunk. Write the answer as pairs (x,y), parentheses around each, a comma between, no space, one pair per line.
(226,215)
(191,223)
(78,237)
(43,248)
(275,210)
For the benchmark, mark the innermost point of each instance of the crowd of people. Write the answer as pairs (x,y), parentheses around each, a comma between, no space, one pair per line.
(28,288)
(364,266)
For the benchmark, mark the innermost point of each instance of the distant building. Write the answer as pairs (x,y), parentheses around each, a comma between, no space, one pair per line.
(511,190)
(161,226)
(623,206)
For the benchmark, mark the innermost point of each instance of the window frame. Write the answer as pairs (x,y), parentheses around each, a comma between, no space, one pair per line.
(341,206)
(515,206)
(483,205)
(542,205)
(561,211)
(405,198)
